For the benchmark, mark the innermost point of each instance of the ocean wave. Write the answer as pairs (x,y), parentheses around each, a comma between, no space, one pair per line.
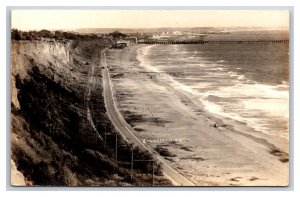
(241,77)
(227,93)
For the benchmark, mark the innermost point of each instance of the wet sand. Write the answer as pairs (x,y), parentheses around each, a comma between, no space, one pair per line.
(206,148)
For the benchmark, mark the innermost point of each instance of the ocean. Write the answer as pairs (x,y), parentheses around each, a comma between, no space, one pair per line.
(244,82)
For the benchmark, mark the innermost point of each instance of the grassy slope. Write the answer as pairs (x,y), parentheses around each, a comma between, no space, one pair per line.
(52,141)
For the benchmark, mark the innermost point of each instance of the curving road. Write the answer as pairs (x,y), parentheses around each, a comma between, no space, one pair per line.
(126,131)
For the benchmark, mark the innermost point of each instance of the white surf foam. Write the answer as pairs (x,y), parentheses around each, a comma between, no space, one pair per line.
(250,98)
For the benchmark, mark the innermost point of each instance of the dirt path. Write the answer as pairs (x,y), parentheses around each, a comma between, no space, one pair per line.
(93,81)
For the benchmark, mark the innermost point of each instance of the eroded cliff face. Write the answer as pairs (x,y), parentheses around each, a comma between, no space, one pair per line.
(52,140)
(46,55)
(48,126)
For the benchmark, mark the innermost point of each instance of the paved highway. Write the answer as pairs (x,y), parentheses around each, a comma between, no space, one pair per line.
(127,132)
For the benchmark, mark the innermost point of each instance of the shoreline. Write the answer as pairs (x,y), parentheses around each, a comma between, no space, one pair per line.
(210,155)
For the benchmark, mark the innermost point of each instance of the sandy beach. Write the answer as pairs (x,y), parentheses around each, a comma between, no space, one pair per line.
(207,149)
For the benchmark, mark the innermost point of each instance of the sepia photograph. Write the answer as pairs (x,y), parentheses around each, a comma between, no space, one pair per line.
(149,98)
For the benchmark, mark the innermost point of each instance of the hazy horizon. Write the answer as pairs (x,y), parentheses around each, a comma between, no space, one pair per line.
(108,29)
(135,19)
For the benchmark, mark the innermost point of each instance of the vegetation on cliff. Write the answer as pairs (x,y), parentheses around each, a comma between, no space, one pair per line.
(52,140)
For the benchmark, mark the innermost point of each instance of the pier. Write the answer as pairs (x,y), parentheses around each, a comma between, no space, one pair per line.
(215,42)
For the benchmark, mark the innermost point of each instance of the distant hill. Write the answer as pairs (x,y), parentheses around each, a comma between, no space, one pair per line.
(171,29)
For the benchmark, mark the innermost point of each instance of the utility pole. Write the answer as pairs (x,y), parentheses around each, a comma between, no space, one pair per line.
(147,160)
(105,136)
(131,169)
(116,145)
(116,149)
(83,100)
(153,173)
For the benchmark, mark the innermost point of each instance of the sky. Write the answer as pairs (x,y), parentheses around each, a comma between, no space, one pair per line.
(74,19)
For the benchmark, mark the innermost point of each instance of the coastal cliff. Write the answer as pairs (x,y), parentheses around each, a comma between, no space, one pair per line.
(52,139)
